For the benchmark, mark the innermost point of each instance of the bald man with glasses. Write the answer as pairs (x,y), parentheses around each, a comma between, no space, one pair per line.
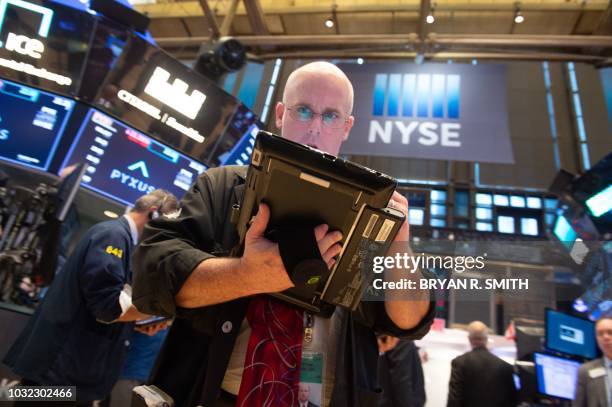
(183,270)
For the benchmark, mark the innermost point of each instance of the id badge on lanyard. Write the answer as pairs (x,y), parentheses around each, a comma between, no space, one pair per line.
(313,367)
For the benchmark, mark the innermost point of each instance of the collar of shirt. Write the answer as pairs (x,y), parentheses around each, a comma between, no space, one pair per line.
(133,230)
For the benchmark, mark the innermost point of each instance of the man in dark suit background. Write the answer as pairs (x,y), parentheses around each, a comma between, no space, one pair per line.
(479,378)
(592,376)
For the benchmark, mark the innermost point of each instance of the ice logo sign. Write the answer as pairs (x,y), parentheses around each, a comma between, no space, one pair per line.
(22,44)
(174,94)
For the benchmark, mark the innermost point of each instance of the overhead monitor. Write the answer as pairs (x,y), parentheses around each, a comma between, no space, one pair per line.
(236,146)
(31,124)
(125,164)
(570,335)
(44,44)
(155,93)
(601,202)
(564,232)
(557,377)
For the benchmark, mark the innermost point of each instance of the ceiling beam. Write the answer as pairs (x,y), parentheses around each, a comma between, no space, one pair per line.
(256,17)
(523,56)
(210,19)
(422,24)
(226,26)
(194,9)
(605,24)
(514,40)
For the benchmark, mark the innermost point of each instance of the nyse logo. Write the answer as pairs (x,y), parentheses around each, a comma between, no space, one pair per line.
(174,94)
(20,43)
(425,106)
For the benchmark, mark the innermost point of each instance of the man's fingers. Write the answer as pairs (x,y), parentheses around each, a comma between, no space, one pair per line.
(331,252)
(260,222)
(398,201)
(329,240)
(320,231)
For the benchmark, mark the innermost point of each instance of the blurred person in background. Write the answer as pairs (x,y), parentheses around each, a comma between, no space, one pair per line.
(400,373)
(595,377)
(79,334)
(478,377)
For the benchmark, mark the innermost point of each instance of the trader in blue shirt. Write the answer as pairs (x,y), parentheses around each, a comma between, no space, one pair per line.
(78,336)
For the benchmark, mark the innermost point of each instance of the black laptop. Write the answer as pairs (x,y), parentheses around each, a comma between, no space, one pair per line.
(305,186)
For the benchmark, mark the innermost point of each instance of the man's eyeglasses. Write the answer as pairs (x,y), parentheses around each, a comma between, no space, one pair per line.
(305,114)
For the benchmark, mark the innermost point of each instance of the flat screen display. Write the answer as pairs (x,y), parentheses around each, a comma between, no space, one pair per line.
(570,335)
(157,94)
(125,164)
(106,47)
(564,232)
(557,377)
(600,203)
(31,124)
(44,44)
(236,146)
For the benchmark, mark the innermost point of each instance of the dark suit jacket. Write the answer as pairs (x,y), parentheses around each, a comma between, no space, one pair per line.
(591,391)
(401,376)
(479,378)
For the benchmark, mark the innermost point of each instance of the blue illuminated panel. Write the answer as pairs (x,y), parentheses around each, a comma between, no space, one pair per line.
(564,232)
(125,164)
(380,90)
(31,124)
(600,203)
(557,377)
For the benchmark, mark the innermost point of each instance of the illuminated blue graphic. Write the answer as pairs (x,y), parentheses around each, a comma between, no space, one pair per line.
(435,96)
(140,165)
(564,232)
(600,203)
(47,14)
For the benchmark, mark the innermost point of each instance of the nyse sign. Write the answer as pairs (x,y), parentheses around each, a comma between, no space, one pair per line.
(414,92)
(173,95)
(433,111)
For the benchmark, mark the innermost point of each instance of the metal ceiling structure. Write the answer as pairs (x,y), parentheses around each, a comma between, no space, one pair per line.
(557,30)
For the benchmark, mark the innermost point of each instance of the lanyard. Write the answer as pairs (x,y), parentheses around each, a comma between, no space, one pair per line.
(308,327)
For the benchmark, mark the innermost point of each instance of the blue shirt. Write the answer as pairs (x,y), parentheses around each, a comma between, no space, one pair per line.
(141,355)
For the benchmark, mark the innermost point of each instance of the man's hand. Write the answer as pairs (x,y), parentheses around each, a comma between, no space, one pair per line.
(400,203)
(261,259)
(260,270)
(153,328)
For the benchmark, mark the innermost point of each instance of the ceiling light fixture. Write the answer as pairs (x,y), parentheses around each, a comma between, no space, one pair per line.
(430,19)
(332,20)
(518,16)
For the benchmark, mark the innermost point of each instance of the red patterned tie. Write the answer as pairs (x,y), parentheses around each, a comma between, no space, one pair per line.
(272,364)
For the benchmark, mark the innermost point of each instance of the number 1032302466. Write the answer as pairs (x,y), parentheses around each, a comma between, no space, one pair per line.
(38,393)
